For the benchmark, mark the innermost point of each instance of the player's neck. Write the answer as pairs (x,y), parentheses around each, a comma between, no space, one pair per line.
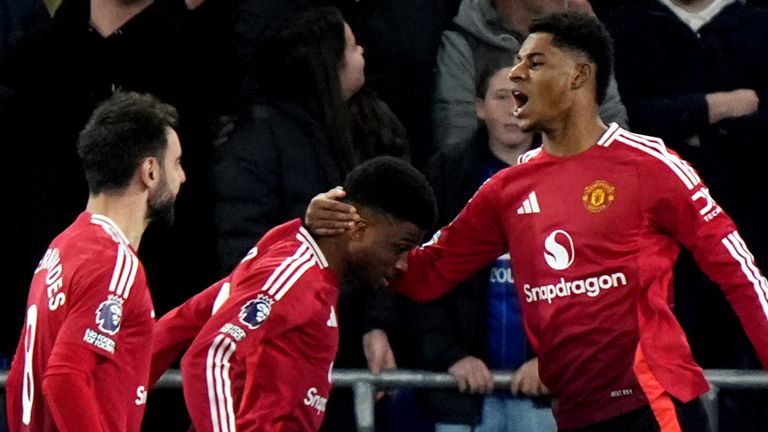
(128,212)
(578,131)
(109,15)
(334,249)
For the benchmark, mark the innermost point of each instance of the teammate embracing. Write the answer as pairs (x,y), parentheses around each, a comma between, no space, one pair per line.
(262,360)
(593,221)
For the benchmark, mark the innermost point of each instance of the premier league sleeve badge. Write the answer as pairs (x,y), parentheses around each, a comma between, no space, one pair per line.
(109,315)
(256,311)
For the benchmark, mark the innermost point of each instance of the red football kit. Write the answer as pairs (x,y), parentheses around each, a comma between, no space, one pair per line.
(262,362)
(176,330)
(593,239)
(85,346)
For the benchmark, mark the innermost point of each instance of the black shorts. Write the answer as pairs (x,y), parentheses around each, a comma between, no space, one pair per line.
(686,417)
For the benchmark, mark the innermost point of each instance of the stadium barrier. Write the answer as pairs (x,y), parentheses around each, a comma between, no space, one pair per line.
(365,384)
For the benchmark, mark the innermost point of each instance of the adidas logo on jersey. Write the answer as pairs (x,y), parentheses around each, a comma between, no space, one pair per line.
(530,205)
(332,319)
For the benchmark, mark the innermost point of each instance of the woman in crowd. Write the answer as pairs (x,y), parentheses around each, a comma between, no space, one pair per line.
(293,139)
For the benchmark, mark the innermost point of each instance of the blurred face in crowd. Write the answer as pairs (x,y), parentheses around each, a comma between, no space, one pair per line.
(378,252)
(518,13)
(163,197)
(497,109)
(352,73)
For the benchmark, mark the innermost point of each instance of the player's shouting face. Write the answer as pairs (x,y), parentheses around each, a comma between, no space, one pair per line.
(543,80)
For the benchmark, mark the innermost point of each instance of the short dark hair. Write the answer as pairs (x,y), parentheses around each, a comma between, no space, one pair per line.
(122,131)
(391,186)
(582,32)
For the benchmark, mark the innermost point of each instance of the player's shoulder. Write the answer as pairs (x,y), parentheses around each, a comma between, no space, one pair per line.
(288,262)
(92,241)
(644,147)
(94,232)
(650,155)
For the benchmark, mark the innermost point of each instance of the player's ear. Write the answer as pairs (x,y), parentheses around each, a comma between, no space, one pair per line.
(149,171)
(359,229)
(582,74)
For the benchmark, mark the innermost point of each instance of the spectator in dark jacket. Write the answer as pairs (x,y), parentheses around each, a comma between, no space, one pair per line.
(293,140)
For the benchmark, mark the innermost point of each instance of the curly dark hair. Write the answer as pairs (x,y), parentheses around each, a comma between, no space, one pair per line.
(584,33)
(392,186)
(122,131)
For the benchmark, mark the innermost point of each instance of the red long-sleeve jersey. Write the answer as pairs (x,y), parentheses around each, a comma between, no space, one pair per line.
(176,330)
(88,323)
(593,239)
(262,362)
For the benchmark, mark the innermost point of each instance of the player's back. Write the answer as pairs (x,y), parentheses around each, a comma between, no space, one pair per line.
(262,361)
(88,292)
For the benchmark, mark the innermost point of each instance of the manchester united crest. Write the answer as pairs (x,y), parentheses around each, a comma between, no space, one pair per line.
(598,196)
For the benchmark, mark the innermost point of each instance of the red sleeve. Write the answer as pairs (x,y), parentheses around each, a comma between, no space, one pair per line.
(100,299)
(471,242)
(687,211)
(175,331)
(230,340)
(67,388)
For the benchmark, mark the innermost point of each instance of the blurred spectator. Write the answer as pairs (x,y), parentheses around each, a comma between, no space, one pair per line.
(400,38)
(482,31)
(695,73)
(293,139)
(376,131)
(478,326)
(17,18)
(59,75)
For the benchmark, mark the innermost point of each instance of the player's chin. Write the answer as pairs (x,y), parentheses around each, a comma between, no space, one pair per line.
(527,125)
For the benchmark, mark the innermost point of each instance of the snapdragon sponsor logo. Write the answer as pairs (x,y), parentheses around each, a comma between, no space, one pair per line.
(559,254)
(591,286)
(559,250)
(315,400)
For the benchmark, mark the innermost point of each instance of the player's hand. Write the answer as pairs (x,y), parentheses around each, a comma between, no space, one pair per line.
(473,375)
(526,380)
(327,216)
(378,353)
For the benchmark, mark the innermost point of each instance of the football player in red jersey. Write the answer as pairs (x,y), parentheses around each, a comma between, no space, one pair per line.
(265,337)
(82,362)
(594,221)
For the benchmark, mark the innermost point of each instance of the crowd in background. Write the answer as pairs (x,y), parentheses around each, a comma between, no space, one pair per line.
(265,126)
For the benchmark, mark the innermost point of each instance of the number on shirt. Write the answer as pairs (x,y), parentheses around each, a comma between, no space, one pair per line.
(28,388)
